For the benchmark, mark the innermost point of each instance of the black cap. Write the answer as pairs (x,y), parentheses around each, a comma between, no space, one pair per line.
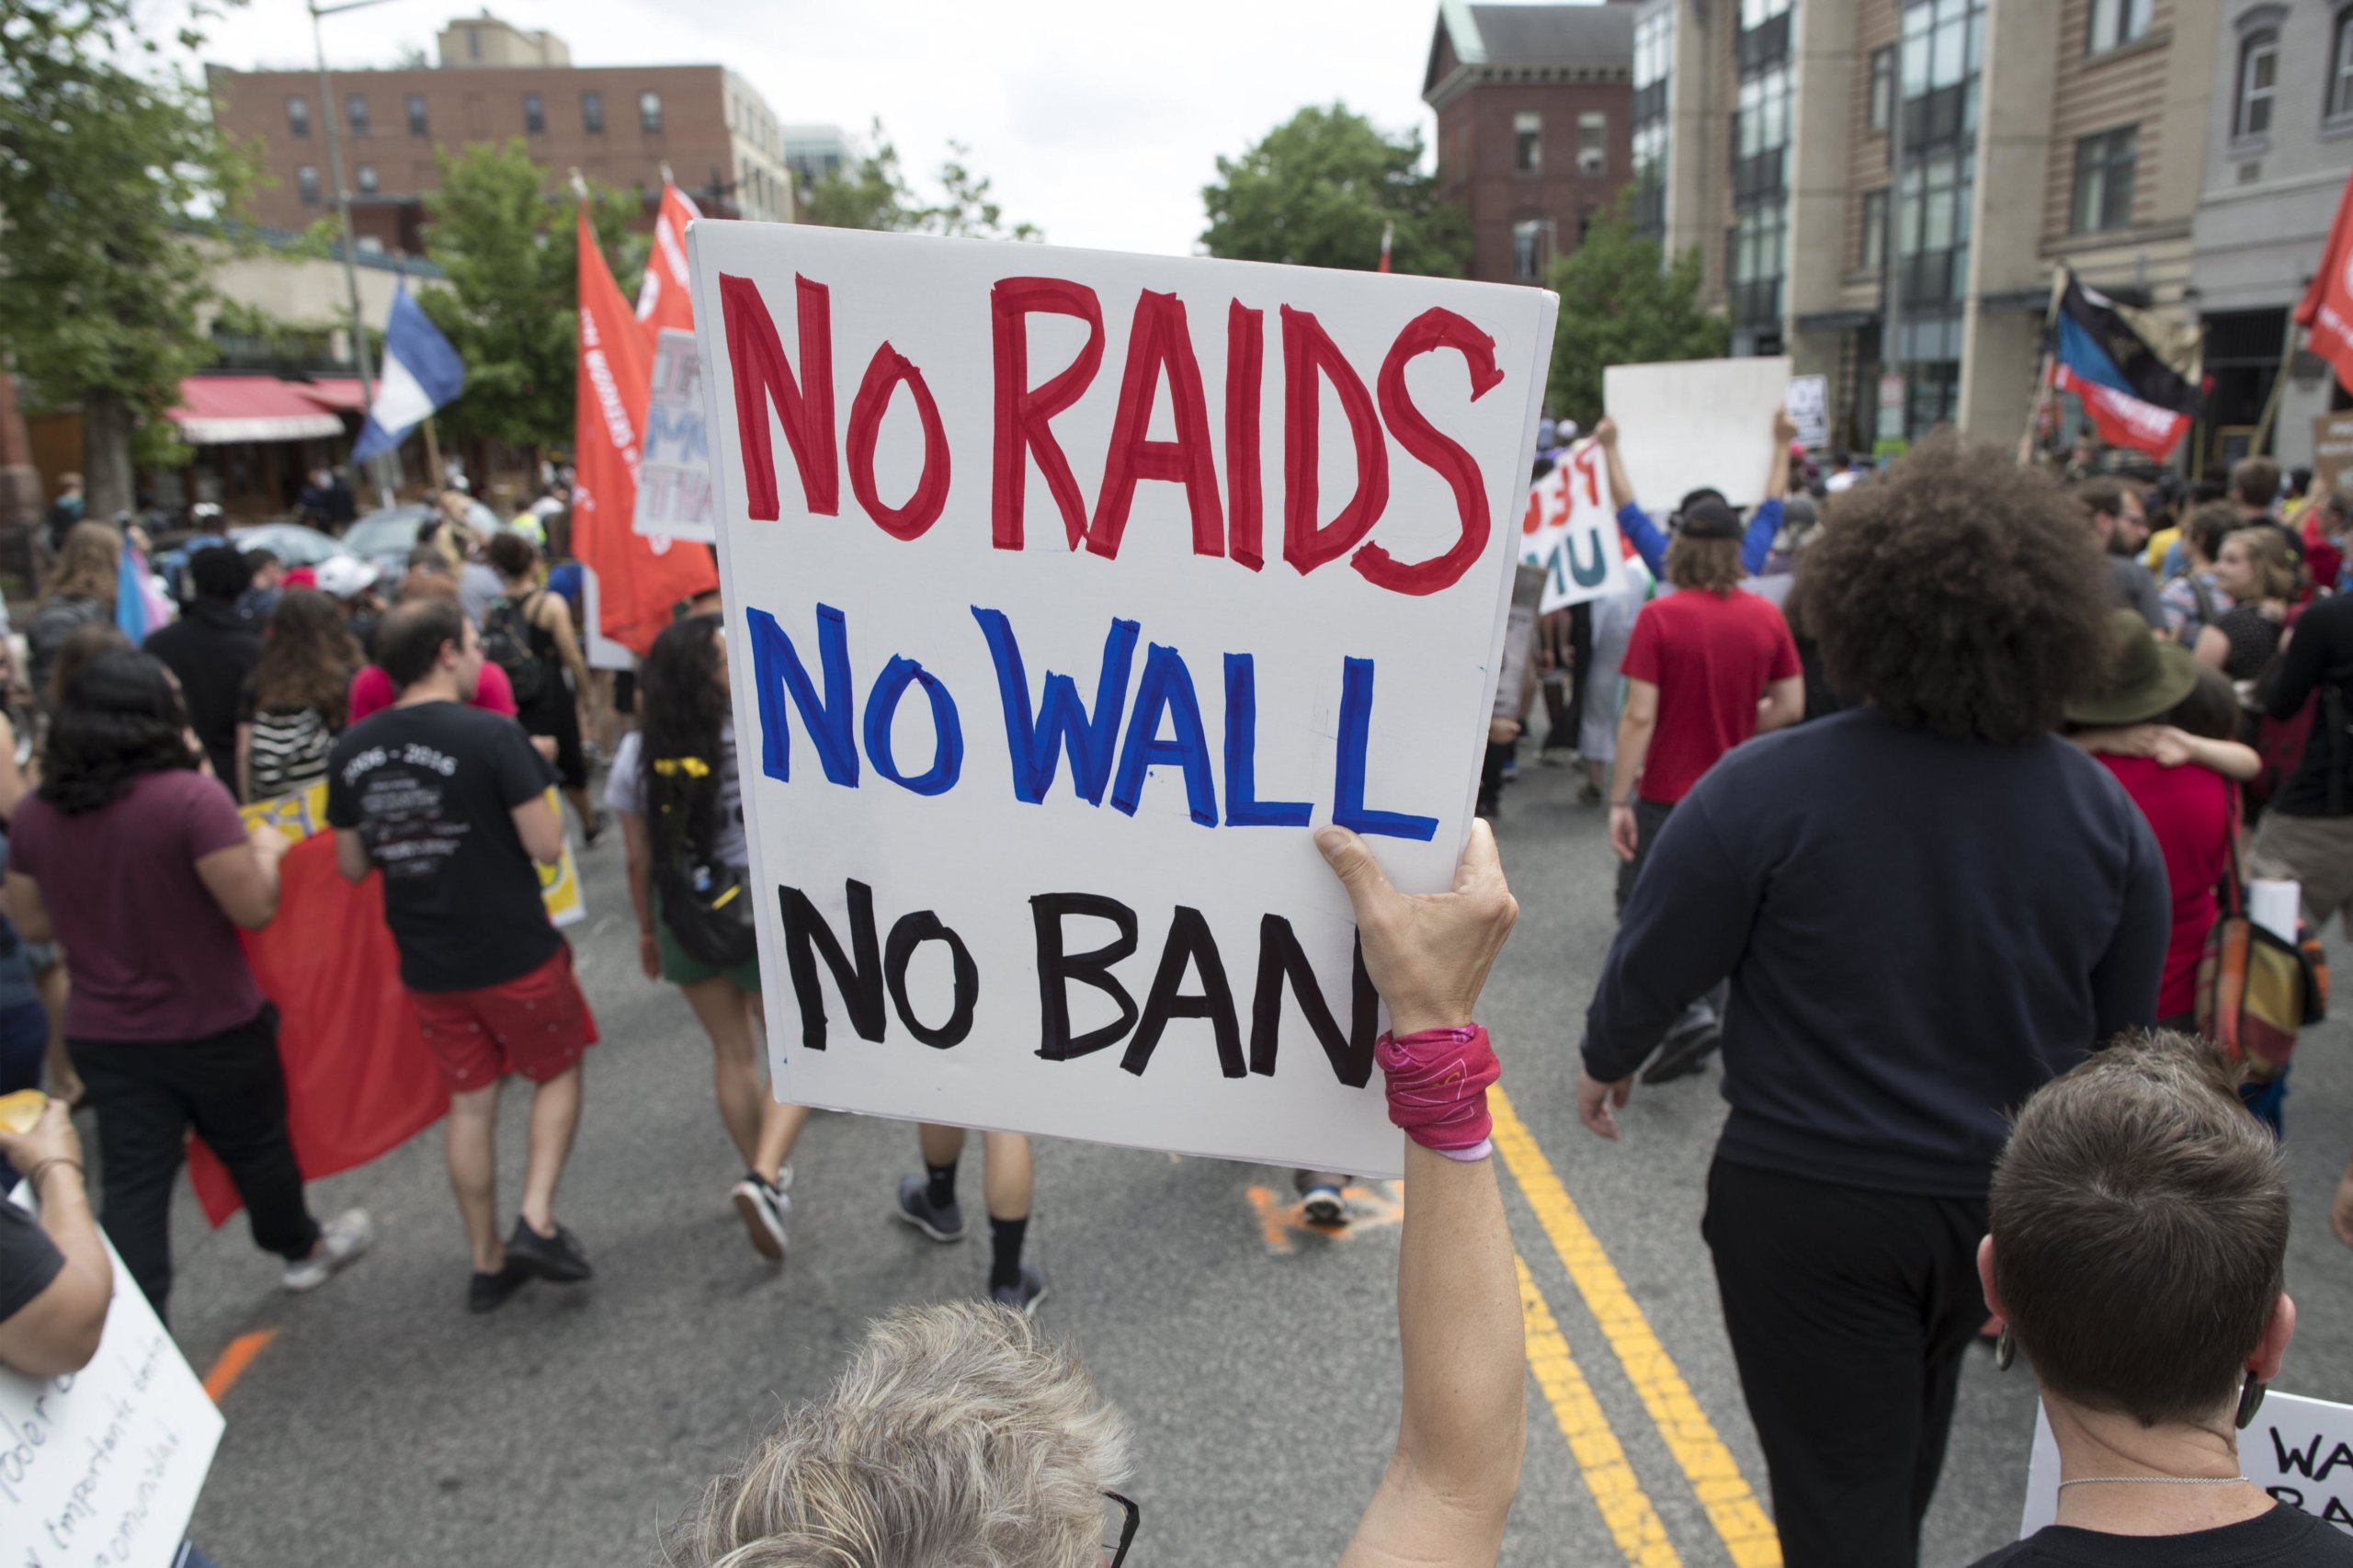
(1710,519)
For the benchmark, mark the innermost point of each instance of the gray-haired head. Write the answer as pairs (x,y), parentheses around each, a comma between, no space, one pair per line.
(959,1436)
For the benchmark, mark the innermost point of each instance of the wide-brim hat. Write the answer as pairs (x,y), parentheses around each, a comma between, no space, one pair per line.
(2148,682)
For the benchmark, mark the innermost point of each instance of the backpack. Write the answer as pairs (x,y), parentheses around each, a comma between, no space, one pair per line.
(705,903)
(506,642)
(2255,989)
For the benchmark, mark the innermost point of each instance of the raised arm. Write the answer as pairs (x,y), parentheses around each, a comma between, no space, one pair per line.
(1450,1480)
(1633,521)
(57,1331)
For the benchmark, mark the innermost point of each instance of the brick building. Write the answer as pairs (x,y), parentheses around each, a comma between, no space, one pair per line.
(1534,135)
(617,124)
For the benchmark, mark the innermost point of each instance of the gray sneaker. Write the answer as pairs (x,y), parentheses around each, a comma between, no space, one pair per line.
(1023,1296)
(764,1207)
(942,1224)
(342,1240)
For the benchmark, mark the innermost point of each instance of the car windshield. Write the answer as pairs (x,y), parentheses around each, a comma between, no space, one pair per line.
(385,532)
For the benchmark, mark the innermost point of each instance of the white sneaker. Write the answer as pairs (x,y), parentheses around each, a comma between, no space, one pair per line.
(341,1241)
(764,1208)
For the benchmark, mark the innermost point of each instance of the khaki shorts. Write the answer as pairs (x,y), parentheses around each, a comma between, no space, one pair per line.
(2316,852)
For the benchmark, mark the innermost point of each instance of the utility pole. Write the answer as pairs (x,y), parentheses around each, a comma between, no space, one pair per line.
(360,356)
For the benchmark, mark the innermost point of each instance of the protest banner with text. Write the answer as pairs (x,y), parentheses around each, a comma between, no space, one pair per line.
(1066,591)
(1571,530)
(2300,1451)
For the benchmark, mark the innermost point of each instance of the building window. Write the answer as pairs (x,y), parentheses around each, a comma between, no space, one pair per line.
(2258,80)
(1883,99)
(1531,240)
(1593,143)
(592,113)
(474,44)
(1755,14)
(2116,23)
(1932,226)
(1943,51)
(368,244)
(1761,136)
(1528,144)
(649,111)
(2104,181)
(355,113)
(535,115)
(1758,237)
(2340,79)
(418,125)
(1874,240)
(366,176)
(1653,39)
(306,185)
(298,117)
(1649,179)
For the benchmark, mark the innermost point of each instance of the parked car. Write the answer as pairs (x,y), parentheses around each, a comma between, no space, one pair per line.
(384,539)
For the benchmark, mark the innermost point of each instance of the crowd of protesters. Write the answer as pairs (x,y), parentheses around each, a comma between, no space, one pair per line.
(2082,711)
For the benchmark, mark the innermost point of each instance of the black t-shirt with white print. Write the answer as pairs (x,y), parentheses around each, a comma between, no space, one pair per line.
(431,790)
(2284,1538)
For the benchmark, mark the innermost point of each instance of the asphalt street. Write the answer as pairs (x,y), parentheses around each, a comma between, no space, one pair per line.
(381,1426)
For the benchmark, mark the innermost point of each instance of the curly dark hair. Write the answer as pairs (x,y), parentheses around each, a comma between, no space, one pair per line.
(682,705)
(511,556)
(309,657)
(119,718)
(1960,594)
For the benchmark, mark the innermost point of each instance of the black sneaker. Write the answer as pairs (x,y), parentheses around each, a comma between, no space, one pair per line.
(1684,1055)
(942,1224)
(488,1293)
(1325,1206)
(557,1258)
(1023,1296)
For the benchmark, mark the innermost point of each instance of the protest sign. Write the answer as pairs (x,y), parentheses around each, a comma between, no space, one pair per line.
(1809,406)
(101,1468)
(2300,1451)
(1571,530)
(1696,423)
(1066,590)
(673,464)
(2331,447)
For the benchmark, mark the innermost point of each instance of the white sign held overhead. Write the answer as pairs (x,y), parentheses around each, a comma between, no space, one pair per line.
(2300,1451)
(1809,405)
(674,463)
(1694,423)
(1066,591)
(101,1468)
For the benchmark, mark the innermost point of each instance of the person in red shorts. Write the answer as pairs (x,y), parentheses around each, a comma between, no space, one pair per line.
(1706,666)
(451,804)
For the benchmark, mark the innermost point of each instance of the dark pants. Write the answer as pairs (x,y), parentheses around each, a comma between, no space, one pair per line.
(230,1088)
(1650,819)
(1848,1310)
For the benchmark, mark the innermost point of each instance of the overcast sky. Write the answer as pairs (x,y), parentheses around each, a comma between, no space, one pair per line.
(1100,120)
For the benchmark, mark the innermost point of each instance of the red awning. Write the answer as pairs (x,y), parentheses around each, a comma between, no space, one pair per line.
(338,392)
(214,410)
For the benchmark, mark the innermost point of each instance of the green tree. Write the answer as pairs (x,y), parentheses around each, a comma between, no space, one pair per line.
(1317,190)
(1620,306)
(873,193)
(511,308)
(108,161)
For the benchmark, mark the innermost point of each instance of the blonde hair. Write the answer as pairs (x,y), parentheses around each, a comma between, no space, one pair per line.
(87,564)
(2266,555)
(959,1436)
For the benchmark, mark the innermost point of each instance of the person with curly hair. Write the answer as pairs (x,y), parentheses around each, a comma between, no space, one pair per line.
(298,697)
(1926,907)
(140,866)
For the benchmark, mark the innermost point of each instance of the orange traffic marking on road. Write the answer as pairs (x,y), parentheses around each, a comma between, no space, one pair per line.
(1370,1208)
(233,1361)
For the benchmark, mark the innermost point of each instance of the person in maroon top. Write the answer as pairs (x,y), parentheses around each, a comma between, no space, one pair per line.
(138,864)
(1706,667)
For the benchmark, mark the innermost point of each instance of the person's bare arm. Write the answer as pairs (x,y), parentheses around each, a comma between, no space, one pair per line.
(351,855)
(242,879)
(1776,478)
(639,854)
(541,830)
(557,618)
(2231,760)
(1462,1426)
(57,1331)
(1784,705)
(14,785)
(2212,649)
(244,762)
(1635,728)
(27,912)
(1621,489)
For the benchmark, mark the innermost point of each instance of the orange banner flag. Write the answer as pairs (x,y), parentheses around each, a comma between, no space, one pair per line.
(640,579)
(664,299)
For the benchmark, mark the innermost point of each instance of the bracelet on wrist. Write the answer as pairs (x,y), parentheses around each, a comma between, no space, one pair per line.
(42,1168)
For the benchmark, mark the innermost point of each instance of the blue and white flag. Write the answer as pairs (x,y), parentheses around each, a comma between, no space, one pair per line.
(421,373)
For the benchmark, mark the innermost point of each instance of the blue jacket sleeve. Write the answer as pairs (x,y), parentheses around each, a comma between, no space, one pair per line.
(1648,542)
(1684,929)
(1764,527)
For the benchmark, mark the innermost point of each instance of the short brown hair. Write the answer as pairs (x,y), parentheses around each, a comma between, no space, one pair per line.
(1709,564)
(2210,526)
(2266,552)
(2101,497)
(2139,1220)
(2255,481)
(511,555)
(409,641)
(1960,594)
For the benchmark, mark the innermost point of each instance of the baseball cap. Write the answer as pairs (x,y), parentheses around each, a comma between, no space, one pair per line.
(344,576)
(1709,518)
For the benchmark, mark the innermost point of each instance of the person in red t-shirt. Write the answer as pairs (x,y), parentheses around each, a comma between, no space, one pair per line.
(1706,667)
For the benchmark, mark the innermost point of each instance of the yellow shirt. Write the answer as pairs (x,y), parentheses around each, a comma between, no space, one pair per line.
(2154,558)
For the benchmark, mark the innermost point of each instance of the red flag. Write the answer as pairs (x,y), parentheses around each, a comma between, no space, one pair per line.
(640,579)
(2326,311)
(664,299)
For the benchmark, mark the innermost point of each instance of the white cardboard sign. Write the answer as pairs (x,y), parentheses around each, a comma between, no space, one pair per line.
(1066,590)
(1691,423)
(101,1468)
(2300,1451)
(674,464)
(1809,405)
(1571,530)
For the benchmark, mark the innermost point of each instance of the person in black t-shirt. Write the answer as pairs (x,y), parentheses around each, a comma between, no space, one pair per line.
(2140,1231)
(451,804)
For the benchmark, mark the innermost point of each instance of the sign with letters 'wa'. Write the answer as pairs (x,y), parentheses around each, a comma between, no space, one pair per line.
(1065,591)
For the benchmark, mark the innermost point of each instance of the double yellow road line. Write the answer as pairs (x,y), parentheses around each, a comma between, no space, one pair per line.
(1715,1479)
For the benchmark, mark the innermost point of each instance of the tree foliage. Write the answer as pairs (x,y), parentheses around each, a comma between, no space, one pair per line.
(1317,192)
(511,306)
(873,193)
(1621,304)
(109,161)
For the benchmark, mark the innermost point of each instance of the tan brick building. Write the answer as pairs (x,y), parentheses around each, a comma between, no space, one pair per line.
(617,124)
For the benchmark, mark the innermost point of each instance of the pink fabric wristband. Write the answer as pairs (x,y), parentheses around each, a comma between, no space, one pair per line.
(1437,1081)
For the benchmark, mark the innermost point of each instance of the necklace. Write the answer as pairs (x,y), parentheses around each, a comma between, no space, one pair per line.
(2152,1481)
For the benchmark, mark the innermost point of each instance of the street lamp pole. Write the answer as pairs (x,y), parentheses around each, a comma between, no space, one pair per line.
(360,357)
